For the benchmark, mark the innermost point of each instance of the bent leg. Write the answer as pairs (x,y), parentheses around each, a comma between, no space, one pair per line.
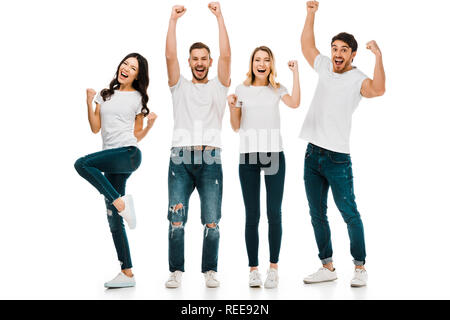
(120,160)
(115,221)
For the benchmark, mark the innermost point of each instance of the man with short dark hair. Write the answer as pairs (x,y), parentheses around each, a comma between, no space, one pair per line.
(198,108)
(327,128)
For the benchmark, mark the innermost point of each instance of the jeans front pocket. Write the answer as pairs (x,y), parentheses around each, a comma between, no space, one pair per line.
(339,158)
(307,154)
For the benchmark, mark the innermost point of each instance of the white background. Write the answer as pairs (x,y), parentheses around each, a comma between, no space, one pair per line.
(54,237)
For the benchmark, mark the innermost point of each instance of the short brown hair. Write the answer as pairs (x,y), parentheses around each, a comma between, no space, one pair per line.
(348,38)
(199,45)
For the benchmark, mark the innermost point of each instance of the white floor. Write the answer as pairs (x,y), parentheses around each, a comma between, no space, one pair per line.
(73,257)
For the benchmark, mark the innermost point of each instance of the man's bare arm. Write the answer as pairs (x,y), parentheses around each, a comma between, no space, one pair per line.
(173,66)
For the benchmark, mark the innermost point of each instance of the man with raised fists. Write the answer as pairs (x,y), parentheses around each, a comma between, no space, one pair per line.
(198,108)
(327,128)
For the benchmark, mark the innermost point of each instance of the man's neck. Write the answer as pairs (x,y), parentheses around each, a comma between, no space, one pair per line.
(349,68)
(195,81)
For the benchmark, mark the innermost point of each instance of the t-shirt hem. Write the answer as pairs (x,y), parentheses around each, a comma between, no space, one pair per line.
(326,146)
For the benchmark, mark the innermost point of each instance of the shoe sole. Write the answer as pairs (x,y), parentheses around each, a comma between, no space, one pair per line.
(255,285)
(117,286)
(357,285)
(313,282)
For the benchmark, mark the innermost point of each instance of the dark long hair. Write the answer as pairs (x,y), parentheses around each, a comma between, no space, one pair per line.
(140,83)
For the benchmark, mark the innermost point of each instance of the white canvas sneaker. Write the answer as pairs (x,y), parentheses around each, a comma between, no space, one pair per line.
(211,279)
(322,275)
(360,278)
(121,281)
(272,279)
(128,213)
(254,279)
(174,280)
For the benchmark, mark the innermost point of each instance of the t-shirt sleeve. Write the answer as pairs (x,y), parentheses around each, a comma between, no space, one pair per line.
(98,98)
(322,63)
(178,85)
(138,108)
(282,91)
(239,92)
(220,87)
(361,77)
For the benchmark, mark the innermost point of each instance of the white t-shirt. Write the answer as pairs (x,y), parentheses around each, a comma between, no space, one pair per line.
(329,119)
(198,110)
(118,115)
(260,120)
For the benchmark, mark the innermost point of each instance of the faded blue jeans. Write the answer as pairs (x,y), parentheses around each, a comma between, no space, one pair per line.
(324,169)
(190,169)
(108,171)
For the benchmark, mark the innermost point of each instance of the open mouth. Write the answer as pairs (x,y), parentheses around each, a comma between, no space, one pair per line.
(338,61)
(123,74)
(261,70)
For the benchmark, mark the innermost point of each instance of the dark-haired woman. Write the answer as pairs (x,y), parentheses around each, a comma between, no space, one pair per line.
(119,114)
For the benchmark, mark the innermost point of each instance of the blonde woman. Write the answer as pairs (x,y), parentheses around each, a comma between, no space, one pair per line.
(254,110)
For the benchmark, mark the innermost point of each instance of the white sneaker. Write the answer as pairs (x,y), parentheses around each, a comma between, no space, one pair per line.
(121,281)
(128,213)
(360,278)
(174,279)
(272,279)
(322,275)
(254,279)
(211,279)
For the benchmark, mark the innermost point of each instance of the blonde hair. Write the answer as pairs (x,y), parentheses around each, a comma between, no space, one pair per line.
(273,72)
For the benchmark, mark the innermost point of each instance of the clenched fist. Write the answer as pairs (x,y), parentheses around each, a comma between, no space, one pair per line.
(232,100)
(151,119)
(312,6)
(177,12)
(215,8)
(373,46)
(293,65)
(90,95)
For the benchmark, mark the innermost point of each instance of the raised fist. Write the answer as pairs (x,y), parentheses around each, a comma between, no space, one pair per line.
(293,65)
(312,6)
(177,11)
(215,8)
(90,95)
(373,46)
(151,119)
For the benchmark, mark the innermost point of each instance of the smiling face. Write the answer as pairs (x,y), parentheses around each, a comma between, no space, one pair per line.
(262,66)
(128,72)
(200,61)
(341,56)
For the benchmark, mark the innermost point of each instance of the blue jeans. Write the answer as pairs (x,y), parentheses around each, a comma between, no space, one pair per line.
(324,169)
(190,169)
(117,166)
(273,165)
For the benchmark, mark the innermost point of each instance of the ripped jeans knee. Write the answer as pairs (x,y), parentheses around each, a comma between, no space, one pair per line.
(211,230)
(177,217)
